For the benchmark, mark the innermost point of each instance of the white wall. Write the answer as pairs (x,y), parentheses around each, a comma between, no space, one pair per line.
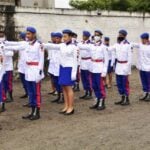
(49,20)
(41,3)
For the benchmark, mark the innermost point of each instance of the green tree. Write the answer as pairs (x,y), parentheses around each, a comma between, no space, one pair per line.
(121,5)
(139,5)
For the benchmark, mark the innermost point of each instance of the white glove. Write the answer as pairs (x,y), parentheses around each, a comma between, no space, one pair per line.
(103,74)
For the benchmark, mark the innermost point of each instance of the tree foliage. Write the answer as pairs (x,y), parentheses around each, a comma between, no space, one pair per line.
(121,5)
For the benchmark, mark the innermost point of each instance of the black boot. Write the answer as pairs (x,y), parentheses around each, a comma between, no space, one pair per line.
(120,102)
(95,104)
(36,114)
(84,96)
(76,87)
(147,98)
(3,108)
(101,105)
(61,99)
(51,93)
(126,101)
(57,99)
(144,97)
(28,116)
(9,98)
(24,96)
(89,95)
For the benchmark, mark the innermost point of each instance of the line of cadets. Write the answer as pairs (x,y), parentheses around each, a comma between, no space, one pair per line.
(91,58)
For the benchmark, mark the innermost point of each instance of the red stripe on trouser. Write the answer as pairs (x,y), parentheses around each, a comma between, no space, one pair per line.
(38,94)
(10,81)
(3,95)
(127,85)
(102,88)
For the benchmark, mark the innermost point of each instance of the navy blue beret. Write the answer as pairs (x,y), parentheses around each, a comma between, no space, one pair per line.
(86,33)
(99,31)
(67,31)
(22,35)
(52,34)
(31,29)
(106,38)
(145,36)
(124,32)
(74,34)
(58,34)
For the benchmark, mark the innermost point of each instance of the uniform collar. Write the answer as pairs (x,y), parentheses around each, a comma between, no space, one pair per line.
(148,43)
(32,42)
(69,42)
(124,42)
(86,42)
(98,43)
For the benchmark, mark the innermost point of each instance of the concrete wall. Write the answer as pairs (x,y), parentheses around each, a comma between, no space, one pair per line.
(7,2)
(46,3)
(36,3)
(49,20)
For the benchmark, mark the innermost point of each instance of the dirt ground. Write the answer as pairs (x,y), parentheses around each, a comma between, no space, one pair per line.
(116,128)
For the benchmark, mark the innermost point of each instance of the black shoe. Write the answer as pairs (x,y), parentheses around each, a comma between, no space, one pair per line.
(120,102)
(148,98)
(126,101)
(28,116)
(61,100)
(57,99)
(101,105)
(2,108)
(62,112)
(89,95)
(24,96)
(76,87)
(51,93)
(95,105)
(144,97)
(70,113)
(36,114)
(84,96)
(9,98)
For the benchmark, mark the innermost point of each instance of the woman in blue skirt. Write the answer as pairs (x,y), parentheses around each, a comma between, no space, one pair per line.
(68,69)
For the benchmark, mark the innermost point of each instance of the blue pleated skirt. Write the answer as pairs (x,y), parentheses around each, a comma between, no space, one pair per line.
(65,76)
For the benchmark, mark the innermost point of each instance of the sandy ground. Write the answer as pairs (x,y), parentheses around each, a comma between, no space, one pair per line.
(116,128)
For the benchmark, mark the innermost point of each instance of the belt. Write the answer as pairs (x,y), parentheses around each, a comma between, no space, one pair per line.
(97,60)
(32,63)
(122,62)
(86,58)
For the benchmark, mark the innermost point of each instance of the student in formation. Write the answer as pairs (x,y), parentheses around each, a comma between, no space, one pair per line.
(34,57)
(108,80)
(98,69)
(50,66)
(2,71)
(22,65)
(68,69)
(84,65)
(8,76)
(122,52)
(55,67)
(143,65)
(76,86)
